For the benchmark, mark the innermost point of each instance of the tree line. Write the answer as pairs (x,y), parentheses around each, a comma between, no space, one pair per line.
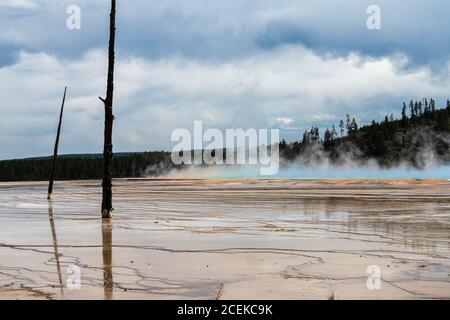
(421,128)
(421,131)
(82,167)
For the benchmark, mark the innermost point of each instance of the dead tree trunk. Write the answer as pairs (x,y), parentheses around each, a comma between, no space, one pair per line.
(109,118)
(55,152)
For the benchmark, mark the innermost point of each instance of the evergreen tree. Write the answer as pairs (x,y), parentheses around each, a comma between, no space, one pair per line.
(305,138)
(341,128)
(349,124)
(404,116)
(432,105)
(416,109)
(327,139)
(333,132)
(354,126)
(314,134)
(411,110)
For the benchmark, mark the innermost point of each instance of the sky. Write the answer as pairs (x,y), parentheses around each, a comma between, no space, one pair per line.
(286,64)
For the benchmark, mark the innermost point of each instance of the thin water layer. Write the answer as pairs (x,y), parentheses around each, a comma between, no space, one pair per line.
(227,239)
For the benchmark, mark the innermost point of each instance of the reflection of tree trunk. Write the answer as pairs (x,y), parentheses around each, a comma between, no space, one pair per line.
(55,151)
(107,258)
(109,118)
(55,247)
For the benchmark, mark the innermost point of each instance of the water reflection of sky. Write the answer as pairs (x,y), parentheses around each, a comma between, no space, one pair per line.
(247,171)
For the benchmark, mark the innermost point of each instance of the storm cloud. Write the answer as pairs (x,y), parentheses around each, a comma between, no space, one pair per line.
(228,63)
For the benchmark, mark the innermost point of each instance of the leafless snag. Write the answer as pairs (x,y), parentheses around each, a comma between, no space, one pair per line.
(109,118)
(55,152)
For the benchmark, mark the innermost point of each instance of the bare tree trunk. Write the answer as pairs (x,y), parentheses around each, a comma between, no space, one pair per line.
(109,118)
(55,152)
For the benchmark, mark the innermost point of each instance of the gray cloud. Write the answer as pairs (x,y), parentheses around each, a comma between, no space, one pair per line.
(230,63)
(154,97)
(218,30)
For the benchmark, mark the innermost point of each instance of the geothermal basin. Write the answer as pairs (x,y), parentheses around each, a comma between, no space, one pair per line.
(227,239)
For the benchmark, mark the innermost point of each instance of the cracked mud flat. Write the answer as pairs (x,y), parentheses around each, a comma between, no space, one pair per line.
(227,239)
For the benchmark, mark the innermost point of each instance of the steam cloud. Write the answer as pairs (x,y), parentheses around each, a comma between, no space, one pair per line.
(316,163)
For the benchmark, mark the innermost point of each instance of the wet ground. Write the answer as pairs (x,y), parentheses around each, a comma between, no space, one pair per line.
(227,239)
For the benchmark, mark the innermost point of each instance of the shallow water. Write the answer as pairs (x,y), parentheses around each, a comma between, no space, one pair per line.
(227,239)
